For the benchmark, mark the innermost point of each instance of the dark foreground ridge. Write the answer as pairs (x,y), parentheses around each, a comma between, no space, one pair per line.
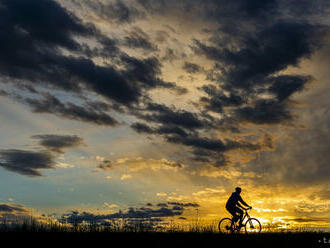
(164,239)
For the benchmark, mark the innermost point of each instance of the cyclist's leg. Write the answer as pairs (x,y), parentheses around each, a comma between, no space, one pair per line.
(240,214)
(232,211)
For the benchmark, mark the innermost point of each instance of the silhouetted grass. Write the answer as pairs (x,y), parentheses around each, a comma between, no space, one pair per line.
(124,225)
(125,233)
(164,239)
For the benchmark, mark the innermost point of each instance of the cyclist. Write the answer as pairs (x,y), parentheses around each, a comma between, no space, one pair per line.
(234,208)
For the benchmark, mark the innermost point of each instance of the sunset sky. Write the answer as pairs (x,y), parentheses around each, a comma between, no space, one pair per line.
(160,108)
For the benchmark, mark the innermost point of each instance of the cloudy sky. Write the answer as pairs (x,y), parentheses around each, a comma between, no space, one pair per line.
(158,108)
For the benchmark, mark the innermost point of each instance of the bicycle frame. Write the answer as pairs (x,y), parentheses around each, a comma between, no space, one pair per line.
(245,215)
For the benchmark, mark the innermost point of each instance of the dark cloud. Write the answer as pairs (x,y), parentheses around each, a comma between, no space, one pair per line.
(31,38)
(171,129)
(164,129)
(304,8)
(119,12)
(178,90)
(150,215)
(233,16)
(135,41)
(26,163)
(146,74)
(137,38)
(34,20)
(213,144)
(91,112)
(264,54)
(173,54)
(144,71)
(265,112)
(138,214)
(192,68)
(188,204)
(169,116)
(105,165)
(212,151)
(217,100)
(237,18)
(119,86)
(177,208)
(10,208)
(29,163)
(204,149)
(102,106)
(284,86)
(161,205)
(214,158)
(181,127)
(33,35)
(142,128)
(199,142)
(247,61)
(244,11)
(57,143)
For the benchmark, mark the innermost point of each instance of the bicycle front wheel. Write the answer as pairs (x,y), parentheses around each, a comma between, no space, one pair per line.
(225,225)
(252,225)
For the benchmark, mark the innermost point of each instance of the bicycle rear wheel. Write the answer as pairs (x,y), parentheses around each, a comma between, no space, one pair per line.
(225,226)
(252,225)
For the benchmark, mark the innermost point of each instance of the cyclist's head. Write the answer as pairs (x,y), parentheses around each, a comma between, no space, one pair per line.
(238,190)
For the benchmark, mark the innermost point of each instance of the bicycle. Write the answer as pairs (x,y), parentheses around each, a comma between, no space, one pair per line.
(251,225)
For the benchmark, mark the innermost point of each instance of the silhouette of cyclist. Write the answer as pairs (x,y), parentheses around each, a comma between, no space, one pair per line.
(234,208)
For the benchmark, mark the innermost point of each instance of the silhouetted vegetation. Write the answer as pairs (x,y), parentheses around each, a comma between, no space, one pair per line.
(134,233)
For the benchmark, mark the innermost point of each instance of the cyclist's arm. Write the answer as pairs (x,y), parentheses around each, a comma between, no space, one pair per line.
(239,205)
(243,202)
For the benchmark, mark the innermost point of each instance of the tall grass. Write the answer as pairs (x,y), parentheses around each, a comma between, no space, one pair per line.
(123,225)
